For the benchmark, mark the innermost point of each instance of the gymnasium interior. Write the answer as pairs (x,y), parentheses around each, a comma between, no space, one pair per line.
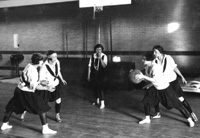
(126,29)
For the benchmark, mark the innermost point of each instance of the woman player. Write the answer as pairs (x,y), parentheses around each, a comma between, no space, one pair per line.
(170,71)
(50,75)
(162,89)
(96,73)
(25,98)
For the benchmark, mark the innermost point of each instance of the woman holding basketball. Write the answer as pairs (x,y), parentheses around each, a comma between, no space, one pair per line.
(162,90)
(170,71)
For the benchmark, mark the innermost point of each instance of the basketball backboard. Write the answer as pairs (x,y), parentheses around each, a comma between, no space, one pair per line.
(93,3)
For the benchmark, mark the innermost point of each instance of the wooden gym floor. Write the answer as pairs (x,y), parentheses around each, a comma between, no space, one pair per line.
(119,119)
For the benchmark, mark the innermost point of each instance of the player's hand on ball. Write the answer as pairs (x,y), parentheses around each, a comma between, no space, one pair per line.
(133,76)
(139,76)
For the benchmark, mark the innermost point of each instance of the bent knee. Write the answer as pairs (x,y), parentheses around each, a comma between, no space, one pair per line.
(58,101)
(181,99)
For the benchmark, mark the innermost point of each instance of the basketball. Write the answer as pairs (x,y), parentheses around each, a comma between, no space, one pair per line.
(133,74)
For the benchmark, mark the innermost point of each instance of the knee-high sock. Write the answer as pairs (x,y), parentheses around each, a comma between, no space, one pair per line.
(7,116)
(187,106)
(57,107)
(147,109)
(101,93)
(157,108)
(184,112)
(43,118)
(96,94)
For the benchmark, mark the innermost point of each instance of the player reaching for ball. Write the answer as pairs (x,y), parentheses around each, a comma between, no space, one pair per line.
(171,73)
(132,76)
(161,91)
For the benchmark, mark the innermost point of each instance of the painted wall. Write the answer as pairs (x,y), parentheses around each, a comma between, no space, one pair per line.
(126,31)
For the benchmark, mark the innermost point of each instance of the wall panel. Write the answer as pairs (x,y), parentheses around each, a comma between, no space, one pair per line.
(126,31)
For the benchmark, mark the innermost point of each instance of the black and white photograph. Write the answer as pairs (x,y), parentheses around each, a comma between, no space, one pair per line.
(99,68)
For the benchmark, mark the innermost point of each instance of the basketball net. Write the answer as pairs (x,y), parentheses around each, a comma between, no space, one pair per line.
(97,9)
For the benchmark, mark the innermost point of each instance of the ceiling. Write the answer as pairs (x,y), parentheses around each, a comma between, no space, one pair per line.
(17,3)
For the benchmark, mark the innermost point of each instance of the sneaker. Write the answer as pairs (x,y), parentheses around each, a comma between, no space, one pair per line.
(145,121)
(191,123)
(5,126)
(58,119)
(47,130)
(23,116)
(102,105)
(96,103)
(194,117)
(97,100)
(156,116)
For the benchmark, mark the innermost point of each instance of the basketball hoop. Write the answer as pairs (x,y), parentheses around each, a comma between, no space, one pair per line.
(97,8)
(99,4)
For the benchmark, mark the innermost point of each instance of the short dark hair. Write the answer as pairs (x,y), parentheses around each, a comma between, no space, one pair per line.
(98,46)
(36,57)
(159,48)
(148,56)
(50,52)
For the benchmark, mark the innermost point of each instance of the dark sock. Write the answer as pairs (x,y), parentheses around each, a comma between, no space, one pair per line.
(157,108)
(43,118)
(184,112)
(57,107)
(187,106)
(147,109)
(101,95)
(7,116)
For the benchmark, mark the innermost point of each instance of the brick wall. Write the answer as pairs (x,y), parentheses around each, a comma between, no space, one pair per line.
(126,30)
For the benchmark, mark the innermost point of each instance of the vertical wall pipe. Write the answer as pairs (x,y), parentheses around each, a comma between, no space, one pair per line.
(85,39)
(111,47)
(64,40)
(99,33)
(67,47)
